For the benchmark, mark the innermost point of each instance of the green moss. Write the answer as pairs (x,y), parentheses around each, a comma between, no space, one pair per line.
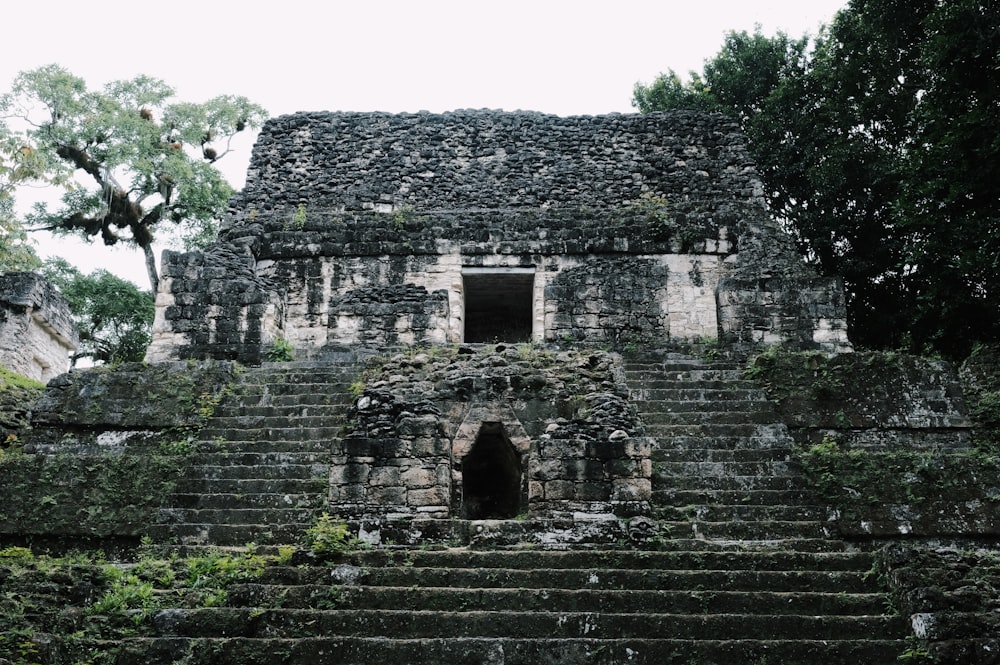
(83,605)
(860,477)
(9,379)
(84,496)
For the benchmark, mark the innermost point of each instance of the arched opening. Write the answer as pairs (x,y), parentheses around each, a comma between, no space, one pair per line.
(491,476)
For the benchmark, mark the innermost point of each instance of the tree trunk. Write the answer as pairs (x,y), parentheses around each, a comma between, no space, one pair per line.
(154,280)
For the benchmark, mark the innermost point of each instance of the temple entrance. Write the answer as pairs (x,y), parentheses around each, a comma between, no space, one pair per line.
(491,476)
(498,304)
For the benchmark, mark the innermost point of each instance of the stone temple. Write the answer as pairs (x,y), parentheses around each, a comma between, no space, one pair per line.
(361,233)
(478,226)
(515,356)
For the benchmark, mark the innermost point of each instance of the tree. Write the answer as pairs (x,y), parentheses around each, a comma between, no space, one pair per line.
(112,315)
(19,164)
(140,159)
(878,148)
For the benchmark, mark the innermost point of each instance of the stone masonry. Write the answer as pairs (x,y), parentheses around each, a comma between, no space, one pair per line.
(485,226)
(37,335)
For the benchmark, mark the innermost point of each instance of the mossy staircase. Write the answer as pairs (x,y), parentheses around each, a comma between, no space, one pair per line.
(744,572)
(723,467)
(259,471)
(526,607)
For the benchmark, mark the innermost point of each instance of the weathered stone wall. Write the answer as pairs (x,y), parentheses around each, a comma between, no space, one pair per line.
(887,442)
(359,228)
(573,442)
(214,305)
(489,160)
(104,449)
(37,335)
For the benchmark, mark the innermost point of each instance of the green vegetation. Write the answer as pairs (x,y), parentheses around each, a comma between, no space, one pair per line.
(854,478)
(139,158)
(876,142)
(112,315)
(837,395)
(9,379)
(118,599)
(281,351)
(91,497)
(329,535)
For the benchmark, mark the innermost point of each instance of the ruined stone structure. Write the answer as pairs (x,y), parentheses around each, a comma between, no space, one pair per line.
(479,226)
(373,230)
(521,382)
(37,335)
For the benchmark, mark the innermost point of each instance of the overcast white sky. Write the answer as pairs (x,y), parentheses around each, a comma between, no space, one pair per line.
(555,56)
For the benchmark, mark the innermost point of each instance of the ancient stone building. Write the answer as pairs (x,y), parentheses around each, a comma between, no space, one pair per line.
(37,335)
(608,494)
(477,226)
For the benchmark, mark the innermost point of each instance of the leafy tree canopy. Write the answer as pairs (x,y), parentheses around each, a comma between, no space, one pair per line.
(877,143)
(136,157)
(19,164)
(113,316)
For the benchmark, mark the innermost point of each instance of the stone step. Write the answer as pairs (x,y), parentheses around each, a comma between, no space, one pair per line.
(259,411)
(227,430)
(695,557)
(291,441)
(757,530)
(713,406)
(721,444)
(679,364)
(742,513)
(824,581)
(221,535)
(224,501)
(201,457)
(684,392)
(720,379)
(238,513)
(325,596)
(709,454)
(713,469)
(642,386)
(687,482)
(709,418)
(254,622)
(508,651)
(257,422)
(281,471)
(671,496)
(296,384)
(263,395)
(768,431)
(203,485)
(299,375)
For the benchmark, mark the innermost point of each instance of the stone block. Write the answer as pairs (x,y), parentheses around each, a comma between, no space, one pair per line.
(419,477)
(384,476)
(421,498)
(557,490)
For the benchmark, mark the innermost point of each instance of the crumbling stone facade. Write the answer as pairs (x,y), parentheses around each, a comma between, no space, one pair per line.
(378,229)
(493,433)
(37,335)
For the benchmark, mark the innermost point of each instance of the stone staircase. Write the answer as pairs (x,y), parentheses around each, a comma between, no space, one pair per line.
(722,463)
(521,607)
(260,468)
(744,571)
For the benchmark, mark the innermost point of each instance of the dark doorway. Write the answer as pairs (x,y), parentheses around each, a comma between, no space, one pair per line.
(498,305)
(491,476)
